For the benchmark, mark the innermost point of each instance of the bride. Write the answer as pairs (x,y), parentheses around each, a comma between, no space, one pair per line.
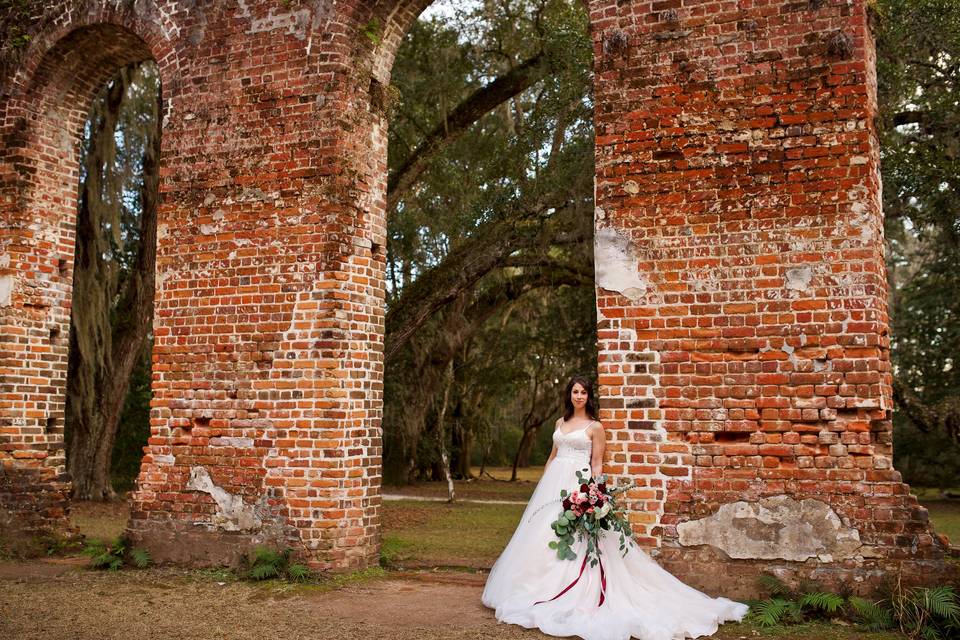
(529,586)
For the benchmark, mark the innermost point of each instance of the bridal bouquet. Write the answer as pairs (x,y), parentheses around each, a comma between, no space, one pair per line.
(586,512)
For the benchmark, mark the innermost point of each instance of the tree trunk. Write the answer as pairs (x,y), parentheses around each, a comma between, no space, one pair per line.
(442,434)
(461,452)
(516,458)
(103,354)
(541,405)
(526,446)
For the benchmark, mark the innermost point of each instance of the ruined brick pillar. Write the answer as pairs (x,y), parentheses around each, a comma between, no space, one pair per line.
(268,322)
(744,357)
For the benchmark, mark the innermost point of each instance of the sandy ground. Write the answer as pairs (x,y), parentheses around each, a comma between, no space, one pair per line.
(61,599)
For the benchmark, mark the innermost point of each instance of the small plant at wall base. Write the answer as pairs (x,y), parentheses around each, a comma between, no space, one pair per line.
(266,564)
(920,613)
(114,555)
(785,606)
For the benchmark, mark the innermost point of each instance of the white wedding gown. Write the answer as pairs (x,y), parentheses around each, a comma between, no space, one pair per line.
(641,600)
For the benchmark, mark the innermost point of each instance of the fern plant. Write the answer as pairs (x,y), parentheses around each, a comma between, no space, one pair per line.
(776,611)
(786,606)
(929,613)
(114,555)
(920,613)
(872,615)
(269,563)
(822,601)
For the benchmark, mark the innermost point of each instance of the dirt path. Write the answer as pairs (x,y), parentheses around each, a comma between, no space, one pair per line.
(63,600)
(60,598)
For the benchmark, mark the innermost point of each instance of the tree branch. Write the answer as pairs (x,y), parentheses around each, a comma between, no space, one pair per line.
(463,267)
(459,120)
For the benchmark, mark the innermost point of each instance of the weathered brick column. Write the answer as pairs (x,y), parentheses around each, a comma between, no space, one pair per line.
(269,305)
(265,417)
(744,356)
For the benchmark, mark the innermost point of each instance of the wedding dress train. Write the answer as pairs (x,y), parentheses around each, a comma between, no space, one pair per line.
(640,600)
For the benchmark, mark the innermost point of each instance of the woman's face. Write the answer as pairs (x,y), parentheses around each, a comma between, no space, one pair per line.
(578,395)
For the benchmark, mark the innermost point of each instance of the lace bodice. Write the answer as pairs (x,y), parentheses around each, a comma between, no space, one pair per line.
(575,445)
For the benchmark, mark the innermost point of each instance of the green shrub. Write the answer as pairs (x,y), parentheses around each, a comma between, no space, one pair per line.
(920,613)
(114,555)
(268,563)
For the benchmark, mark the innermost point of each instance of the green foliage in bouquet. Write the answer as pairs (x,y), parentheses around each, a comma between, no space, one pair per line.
(581,519)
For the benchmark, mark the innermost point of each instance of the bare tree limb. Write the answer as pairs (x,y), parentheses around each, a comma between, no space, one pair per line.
(459,120)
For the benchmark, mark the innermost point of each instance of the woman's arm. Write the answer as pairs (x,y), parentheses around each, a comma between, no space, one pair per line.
(599,443)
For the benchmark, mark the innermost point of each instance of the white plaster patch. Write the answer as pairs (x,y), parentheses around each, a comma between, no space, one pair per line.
(616,265)
(233,513)
(163,459)
(798,278)
(295,23)
(239,443)
(6,291)
(775,527)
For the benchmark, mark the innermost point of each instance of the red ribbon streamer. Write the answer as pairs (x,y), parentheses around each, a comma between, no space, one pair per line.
(603,579)
(583,565)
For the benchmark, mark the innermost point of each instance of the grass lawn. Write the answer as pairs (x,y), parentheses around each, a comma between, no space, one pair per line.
(417,534)
(494,485)
(944,512)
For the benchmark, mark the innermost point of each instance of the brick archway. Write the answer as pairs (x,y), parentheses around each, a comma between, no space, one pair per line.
(44,108)
(744,363)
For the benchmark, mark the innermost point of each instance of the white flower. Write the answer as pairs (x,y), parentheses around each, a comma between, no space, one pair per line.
(603,511)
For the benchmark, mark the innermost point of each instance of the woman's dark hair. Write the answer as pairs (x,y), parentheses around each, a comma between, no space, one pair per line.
(590,408)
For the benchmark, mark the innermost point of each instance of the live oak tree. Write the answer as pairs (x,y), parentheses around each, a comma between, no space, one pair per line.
(113,286)
(918,47)
(490,196)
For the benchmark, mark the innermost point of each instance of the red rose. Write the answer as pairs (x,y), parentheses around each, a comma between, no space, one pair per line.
(584,488)
(603,487)
(567,504)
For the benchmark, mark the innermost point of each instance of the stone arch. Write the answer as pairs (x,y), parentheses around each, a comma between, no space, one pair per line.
(45,107)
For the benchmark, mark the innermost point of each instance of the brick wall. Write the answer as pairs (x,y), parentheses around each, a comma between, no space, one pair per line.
(747,355)
(741,294)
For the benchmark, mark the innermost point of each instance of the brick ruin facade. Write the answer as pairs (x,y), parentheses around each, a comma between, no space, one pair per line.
(744,351)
